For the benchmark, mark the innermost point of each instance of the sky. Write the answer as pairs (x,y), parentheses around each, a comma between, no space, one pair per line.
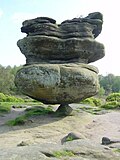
(14,12)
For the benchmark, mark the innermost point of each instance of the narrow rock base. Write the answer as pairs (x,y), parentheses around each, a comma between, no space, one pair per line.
(64,110)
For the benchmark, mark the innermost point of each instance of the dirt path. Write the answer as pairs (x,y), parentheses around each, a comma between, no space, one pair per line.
(104,125)
(48,129)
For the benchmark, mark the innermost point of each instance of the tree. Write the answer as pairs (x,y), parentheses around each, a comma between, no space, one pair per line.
(101,91)
(6,79)
(7,75)
(110,83)
(116,84)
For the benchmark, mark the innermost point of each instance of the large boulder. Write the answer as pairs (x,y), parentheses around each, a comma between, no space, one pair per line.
(57,58)
(54,84)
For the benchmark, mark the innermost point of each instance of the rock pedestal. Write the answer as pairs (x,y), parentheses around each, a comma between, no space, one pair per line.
(57,57)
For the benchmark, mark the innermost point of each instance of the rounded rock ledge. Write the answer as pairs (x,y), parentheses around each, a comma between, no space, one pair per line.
(55,50)
(58,83)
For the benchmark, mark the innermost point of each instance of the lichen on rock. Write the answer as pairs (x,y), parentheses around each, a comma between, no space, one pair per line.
(57,57)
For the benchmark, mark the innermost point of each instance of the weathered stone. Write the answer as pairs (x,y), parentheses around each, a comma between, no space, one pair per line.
(64,110)
(23,143)
(71,41)
(82,149)
(53,83)
(95,21)
(57,58)
(107,141)
(31,25)
(70,137)
(89,26)
(39,49)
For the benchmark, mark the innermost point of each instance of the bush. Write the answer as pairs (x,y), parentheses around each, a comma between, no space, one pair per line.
(96,101)
(113,97)
(17,121)
(111,105)
(2,97)
(7,98)
(92,101)
(13,99)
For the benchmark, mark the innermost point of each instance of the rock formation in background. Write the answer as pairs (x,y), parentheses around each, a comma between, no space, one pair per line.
(57,57)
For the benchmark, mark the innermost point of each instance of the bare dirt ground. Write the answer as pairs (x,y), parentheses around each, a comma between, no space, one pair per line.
(50,130)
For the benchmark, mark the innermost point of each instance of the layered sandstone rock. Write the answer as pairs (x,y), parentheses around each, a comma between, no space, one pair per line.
(57,58)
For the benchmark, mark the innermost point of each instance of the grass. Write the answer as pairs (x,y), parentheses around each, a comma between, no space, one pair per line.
(29,112)
(38,111)
(4,109)
(17,121)
(91,109)
(63,153)
(94,110)
(92,101)
(97,107)
(6,106)
(117,150)
(69,138)
(111,105)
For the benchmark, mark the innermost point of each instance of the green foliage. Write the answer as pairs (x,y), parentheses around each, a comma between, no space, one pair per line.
(29,112)
(96,101)
(113,97)
(38,111)
(4,108)
(91,109)
(117,150)
(2,97)
(112,101)
(63,153)
(6,79)
(7,75)
(7,98)
(111,105)
(94,105)
(17,121)
(13,99)
(110,83)
(69,138)
(101,92)
(92,101)
(87,101)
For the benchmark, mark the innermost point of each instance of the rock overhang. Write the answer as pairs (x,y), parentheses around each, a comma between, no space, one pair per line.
(46,48)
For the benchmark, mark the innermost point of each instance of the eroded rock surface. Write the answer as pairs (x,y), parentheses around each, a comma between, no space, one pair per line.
(71,41)
(53,83)
(57,58)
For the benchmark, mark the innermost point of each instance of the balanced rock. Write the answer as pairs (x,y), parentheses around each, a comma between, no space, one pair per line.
(57,57)
(58,83)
